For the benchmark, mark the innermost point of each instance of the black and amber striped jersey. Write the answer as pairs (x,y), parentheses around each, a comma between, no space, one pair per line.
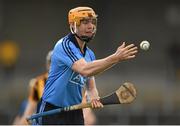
(36,87)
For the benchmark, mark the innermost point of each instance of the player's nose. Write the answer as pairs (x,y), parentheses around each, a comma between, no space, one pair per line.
(90,26)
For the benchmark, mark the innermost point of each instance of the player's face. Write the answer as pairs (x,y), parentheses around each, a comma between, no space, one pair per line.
(87,27)
(48,65)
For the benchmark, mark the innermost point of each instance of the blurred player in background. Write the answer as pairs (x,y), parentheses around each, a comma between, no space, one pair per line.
(36,87)
(19,116)
(73,66)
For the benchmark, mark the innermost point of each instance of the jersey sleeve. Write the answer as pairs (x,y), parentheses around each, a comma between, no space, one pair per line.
(91,54)
(66,53)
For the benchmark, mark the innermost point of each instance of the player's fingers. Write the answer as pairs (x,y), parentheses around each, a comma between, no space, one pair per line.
(132,49)
(97,104)
(130,57)
(132,53)
(129,46)
(129,52)
(122,46)
(101,105)
(93,103)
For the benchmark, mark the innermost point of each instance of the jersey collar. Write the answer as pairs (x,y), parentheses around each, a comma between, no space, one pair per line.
(73,39)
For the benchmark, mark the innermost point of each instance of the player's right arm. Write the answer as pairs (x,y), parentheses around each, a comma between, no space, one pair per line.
(97,66)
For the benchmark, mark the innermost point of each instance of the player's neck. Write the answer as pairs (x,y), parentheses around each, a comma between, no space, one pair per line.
(81,44)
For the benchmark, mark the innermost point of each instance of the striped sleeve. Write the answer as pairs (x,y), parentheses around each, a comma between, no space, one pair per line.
(67,53)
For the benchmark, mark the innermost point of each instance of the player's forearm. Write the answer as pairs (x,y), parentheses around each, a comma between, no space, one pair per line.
(30,109)
(93,93)
(91,90)
(92,68)
(98,66)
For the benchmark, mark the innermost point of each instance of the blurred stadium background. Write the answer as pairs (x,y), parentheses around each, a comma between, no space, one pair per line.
(34,26)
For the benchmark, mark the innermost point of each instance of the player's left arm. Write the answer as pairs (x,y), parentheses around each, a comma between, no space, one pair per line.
(91,88)
(93,93)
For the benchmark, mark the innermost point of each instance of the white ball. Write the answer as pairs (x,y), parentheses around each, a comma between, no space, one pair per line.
(144,45)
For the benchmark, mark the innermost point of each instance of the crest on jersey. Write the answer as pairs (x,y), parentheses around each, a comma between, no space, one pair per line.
(76,78)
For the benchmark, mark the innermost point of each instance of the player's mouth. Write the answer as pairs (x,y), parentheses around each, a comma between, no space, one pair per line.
(89,32)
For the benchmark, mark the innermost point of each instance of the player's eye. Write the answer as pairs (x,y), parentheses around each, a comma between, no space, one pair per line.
(86,21)
(94,21)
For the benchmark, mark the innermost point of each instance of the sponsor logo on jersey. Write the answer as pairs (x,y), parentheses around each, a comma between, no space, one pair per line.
(78,79)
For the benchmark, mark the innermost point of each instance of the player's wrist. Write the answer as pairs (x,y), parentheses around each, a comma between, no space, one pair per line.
(94,95)
(112,59)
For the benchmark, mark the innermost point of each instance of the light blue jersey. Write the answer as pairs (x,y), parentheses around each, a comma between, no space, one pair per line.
(64,86)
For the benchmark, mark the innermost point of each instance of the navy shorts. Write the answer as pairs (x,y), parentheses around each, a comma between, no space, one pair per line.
(64,118)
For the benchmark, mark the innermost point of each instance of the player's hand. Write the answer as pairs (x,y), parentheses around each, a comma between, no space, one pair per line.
(95,103)
(125,52)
